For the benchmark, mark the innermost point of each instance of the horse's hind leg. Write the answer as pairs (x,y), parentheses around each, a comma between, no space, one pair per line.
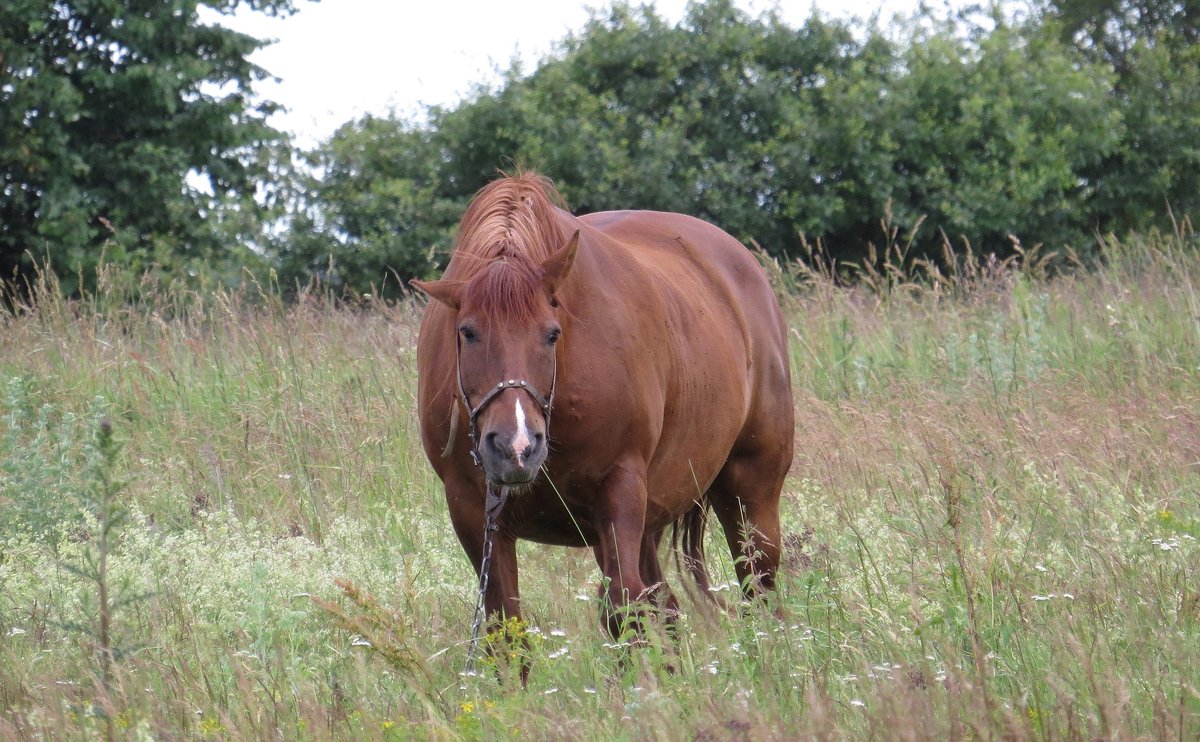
(745,498)
(652,575)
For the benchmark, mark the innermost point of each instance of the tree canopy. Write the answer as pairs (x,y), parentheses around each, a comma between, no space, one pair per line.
(1024,131)
(128,127)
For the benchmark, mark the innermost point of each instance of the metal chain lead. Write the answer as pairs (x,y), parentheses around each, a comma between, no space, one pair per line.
(491,515)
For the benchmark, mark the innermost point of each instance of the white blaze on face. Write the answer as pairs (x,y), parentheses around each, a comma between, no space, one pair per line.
(523,437)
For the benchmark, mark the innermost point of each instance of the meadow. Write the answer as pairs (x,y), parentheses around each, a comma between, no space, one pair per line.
(216,522)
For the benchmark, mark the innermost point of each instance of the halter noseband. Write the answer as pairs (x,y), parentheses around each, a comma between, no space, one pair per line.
(544,403)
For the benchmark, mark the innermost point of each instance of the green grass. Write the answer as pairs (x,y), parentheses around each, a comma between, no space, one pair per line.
(991,526)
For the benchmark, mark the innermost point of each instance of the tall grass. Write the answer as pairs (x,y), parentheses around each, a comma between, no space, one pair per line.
(991,524)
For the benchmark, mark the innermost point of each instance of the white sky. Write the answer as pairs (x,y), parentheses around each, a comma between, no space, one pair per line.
(339,59)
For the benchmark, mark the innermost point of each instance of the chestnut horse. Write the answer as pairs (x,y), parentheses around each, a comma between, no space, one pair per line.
(654,344)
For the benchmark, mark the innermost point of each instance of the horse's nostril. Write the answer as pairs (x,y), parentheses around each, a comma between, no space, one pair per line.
(492,441)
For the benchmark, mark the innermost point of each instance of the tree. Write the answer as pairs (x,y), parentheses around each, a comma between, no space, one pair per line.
(127,127)
(375,216)
(1153,176)
(1154,48)
(635,113)
(772,132)
(1111,29)
(698,109)
(982,139)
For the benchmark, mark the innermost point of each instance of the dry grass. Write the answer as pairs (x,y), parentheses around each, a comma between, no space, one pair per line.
(991,525)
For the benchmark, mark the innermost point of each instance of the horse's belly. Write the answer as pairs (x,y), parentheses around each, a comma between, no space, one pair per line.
(696,439)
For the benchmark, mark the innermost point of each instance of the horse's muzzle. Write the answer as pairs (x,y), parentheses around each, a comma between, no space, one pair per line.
(507,465)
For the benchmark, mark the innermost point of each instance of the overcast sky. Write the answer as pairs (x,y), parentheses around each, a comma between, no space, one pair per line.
(339,59)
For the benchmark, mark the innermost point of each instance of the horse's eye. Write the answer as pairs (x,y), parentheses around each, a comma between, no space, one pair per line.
(552,338)
(468,334)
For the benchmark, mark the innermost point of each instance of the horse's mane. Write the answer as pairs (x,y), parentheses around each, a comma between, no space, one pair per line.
(513,215)
(507,231)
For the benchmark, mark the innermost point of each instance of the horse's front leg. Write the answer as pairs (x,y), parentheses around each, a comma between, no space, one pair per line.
(502,601)
(504,627)
(621,525)
(501,598)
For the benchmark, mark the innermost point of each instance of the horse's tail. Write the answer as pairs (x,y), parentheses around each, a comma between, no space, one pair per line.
(687,541)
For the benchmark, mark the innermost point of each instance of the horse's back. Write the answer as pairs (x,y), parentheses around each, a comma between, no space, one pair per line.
(702,265)
(731,386)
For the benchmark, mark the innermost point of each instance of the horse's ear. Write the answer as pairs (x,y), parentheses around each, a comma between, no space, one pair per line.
(556,267)
(447,292)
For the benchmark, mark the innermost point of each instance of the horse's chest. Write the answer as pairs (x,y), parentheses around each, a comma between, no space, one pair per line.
(551,519)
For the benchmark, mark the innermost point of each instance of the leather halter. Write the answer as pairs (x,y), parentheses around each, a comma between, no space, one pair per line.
(544,403)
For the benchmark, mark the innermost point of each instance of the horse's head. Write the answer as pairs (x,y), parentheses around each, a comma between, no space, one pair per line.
(506,317)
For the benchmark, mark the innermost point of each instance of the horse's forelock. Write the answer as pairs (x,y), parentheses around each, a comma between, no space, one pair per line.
(509,216)
(507,288)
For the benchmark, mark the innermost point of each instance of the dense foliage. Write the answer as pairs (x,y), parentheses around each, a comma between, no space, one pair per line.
(1047,130)
(129,129)
(106,109)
